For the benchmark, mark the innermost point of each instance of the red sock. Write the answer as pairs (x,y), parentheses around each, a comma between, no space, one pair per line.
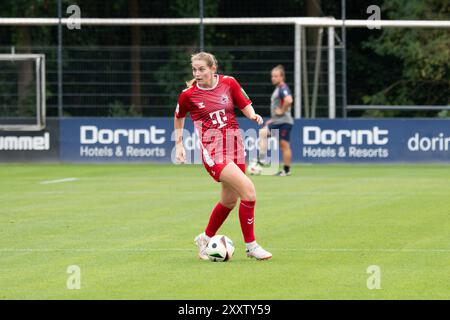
(218,216)
(246,217)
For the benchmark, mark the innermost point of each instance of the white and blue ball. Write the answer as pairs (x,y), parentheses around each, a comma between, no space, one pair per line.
(220,248)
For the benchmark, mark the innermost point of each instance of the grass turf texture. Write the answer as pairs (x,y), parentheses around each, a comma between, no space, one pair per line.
(130,229)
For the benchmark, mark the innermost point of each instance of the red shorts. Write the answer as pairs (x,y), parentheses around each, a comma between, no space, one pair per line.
(216,169)
(215,158)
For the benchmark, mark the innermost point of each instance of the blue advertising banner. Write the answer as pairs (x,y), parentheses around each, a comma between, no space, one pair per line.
(360,140)
(132,140)
(312,141)
(115,139)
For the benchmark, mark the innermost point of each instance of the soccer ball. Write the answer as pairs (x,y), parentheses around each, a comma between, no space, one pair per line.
(254,168)
(220,248)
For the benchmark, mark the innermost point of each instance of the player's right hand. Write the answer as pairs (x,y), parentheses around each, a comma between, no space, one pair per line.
(180,154)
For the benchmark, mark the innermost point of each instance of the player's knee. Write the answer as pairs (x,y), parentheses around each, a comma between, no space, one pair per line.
(284,145)
(249,196)
(249,193)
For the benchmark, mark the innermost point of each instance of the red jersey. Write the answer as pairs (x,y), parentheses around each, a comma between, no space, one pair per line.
(212,111)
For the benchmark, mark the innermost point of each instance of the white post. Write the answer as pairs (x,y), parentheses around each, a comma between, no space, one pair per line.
(43,92)
(331,75)
(297,77)
(38,89)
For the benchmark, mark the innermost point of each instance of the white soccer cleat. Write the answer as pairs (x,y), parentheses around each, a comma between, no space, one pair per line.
(202,241)
(258,253)
(283,173)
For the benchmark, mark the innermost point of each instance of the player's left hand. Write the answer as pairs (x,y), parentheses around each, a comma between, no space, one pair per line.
(258,119)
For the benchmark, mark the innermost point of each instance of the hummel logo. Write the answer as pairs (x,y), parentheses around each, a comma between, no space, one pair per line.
(201,105)
(250,221)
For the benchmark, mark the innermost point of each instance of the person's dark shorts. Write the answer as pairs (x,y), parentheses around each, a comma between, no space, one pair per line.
(284,130)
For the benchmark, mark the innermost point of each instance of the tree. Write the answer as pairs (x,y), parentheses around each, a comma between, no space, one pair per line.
(189,39)
(423,55)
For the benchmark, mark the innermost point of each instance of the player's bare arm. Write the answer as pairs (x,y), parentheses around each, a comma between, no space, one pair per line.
(287,103)
(179,148)
(249,112)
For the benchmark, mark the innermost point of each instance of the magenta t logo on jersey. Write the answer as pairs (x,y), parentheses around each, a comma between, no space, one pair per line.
(218,119)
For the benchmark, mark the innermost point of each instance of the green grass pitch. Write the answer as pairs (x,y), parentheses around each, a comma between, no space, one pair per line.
(130,230)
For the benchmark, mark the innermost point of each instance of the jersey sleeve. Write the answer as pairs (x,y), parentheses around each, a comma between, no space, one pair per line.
(182,106)
(240,97)
(284,92)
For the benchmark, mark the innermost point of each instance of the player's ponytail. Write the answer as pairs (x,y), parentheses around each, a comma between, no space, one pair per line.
(205,56)
(190,83)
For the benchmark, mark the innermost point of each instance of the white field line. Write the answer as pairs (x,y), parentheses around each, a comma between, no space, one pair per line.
(59,180)
(334,250)
(365,250)
(92,249)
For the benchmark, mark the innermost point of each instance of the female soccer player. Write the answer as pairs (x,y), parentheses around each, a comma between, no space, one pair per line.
(210,98)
